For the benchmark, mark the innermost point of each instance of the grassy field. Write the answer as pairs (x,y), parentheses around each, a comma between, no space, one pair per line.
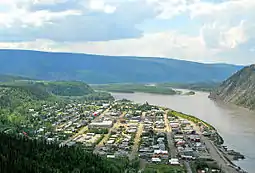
(161,168)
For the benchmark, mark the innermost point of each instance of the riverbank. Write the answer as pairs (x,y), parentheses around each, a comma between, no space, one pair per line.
(234,124)
(214,142)
(132,88)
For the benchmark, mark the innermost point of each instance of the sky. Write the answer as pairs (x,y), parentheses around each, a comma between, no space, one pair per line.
(196,30)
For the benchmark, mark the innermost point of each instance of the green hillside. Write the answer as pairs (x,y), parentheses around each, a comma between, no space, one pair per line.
(59,88)
(66,88)
(17,97)
(10,78)
(12,96)
(98,69)
(19,154)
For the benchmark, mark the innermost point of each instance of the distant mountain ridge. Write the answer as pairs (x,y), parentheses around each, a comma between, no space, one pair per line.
(238,89)
(10,78)
(108,69)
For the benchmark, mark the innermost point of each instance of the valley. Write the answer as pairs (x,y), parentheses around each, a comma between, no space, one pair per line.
(149,133)
(150,137)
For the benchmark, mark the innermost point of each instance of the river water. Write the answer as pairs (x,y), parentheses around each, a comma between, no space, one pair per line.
(236,125)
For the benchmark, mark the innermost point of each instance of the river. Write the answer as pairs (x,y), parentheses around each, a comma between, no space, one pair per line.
(234,124)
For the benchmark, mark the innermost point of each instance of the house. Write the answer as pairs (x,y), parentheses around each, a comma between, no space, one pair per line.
(155,159)
(132,130)
(90,134)
(174,161)
(110,142)
(187,153)
(161,153)
(103,124)
(110,156)
(155,147)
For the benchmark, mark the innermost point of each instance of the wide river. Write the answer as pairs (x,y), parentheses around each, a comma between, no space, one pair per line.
(236,125)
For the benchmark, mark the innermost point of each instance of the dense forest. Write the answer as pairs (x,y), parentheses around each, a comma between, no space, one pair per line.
(59,88)
(66,88)
(98,69)
(20,154)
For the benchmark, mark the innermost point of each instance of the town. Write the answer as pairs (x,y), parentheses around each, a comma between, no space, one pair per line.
(158,138)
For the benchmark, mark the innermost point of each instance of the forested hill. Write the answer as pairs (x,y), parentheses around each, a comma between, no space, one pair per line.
(59,88)
(17,97)
(19,154)
(11,78)
(108,69)
(12,96)
(67,88)
(238,89)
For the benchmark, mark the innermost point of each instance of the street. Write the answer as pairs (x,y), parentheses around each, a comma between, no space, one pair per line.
(136,142)
(215,153)
(137,139)
(172,148)
(187,166)
(84,129)
(218,157)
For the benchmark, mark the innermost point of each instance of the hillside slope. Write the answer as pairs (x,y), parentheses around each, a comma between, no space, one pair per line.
(16,98)
(59,88)
(19,154)
(68,88)
(12,96)
(108,69)
(10,78)
(238,89)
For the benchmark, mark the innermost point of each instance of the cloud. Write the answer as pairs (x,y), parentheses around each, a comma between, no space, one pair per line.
(42,45)
(100,5)
(94,20)
(198,30)
(163,44)
(168,9)
(220,37)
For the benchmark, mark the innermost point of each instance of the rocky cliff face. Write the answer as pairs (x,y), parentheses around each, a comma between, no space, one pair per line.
(238,89)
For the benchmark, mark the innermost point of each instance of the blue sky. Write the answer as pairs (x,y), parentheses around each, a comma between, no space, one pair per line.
(195,30)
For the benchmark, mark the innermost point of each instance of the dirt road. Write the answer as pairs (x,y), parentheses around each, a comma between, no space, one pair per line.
(137,138)
(172,148)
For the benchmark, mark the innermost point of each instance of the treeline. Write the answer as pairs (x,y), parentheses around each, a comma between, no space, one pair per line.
(202,86)
(11,78)
(98,96)
(20,154)
(16,100)
(68,88)
(190,118)
(59,88)
(131,88)
(10,94)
